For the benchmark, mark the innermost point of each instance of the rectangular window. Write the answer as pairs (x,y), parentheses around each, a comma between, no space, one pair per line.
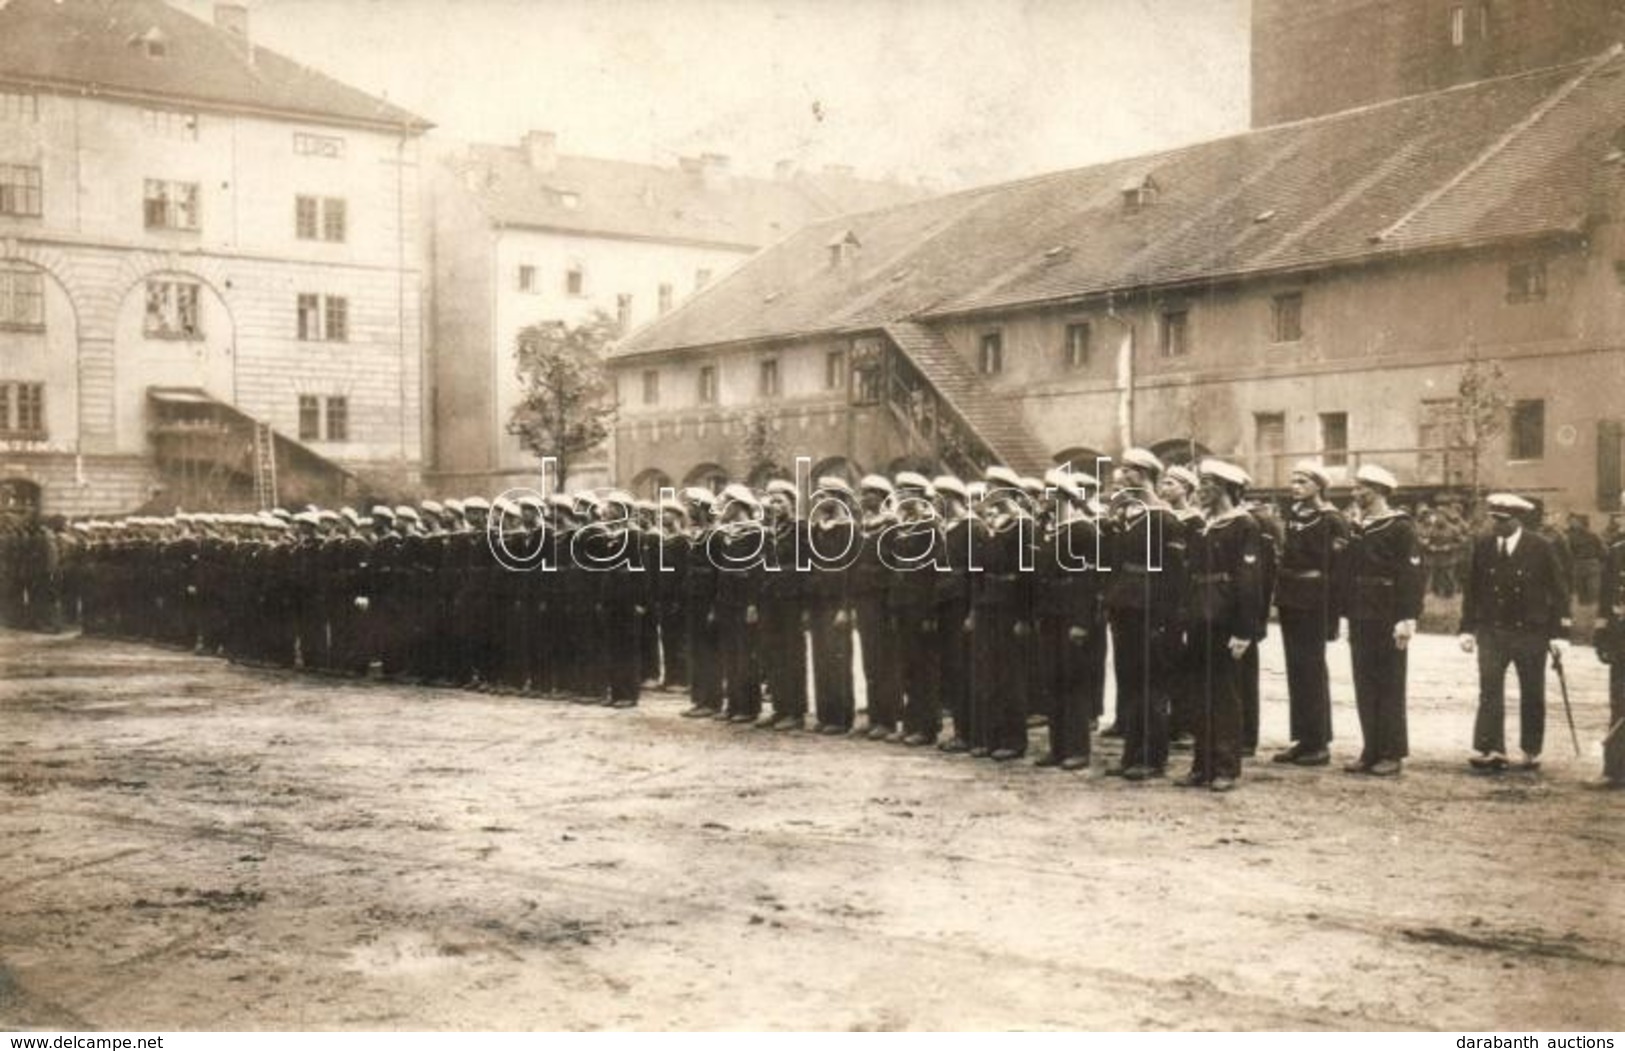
(19,189)
(22,299)
(319,218)
(1077,345)
(170,205)
(527,279)
(323,318)
(702,277)
(651,386)
(336,319)
(1174,333)
(708,385)
(623,311)
(22,410)
(1334,439)
(318,145)
(575,280)
(338,419)
(1458,25)
(19,106)
(767,380)
(835,370)
(1528,434)
(1288,318)
(990,360)
(1526,281)
(170,123)
(310,418)
(1269,433)
(172,311)
(665,298)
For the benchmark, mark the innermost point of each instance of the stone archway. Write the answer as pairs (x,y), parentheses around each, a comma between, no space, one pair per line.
(647,483)
(838,466)
(707,476)
(40,345)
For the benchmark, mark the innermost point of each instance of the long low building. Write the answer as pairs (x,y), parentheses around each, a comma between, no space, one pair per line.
(1313,289)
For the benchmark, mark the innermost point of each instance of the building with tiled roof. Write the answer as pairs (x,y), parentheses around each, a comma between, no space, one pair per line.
(210,271)
(1311,289)
(526,234)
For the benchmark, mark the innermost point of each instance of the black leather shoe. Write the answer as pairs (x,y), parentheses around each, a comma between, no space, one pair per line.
(1221,784)
(833,731)
(1047,759)
(1385,768)
(1359,766)
(953,746)
(1191,780)
(1004,755)
(1136,773)
(1319,757)
(1075,762)
(878,733)
(916,740)
(1289,755)
(980,753)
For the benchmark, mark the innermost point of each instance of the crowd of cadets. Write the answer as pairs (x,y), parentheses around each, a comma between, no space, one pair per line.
(995,602)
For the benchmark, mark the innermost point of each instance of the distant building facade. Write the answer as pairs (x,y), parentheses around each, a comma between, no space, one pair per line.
(1313,57)
(1311,290)
(202,245)
(524,235)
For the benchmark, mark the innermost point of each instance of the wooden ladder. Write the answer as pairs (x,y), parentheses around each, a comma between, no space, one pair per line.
(264,465)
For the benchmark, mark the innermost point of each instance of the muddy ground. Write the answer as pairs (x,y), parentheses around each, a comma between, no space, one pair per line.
(189,845)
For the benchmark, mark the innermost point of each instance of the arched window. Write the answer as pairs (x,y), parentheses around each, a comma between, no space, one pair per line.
(648,483)
(707,476)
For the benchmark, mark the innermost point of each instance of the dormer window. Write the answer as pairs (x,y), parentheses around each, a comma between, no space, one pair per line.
(153,43)
(843,248)
(1139,192)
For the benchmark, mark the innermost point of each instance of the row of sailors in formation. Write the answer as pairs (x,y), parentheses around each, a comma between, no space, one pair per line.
(1176,583)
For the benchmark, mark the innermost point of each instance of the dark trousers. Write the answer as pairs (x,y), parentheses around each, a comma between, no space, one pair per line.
(1219,719)
(738,641)
(1001,666)
(1063,667)
(1309,697)
(784,657)
(1379,690)
(649,645)
(1143,655)
(704,660)
(1184,685)
(832,665)
(953,652)
(1525,651)
(880,673)
(1247,674)
(916,641)
(673,644)
(622,655)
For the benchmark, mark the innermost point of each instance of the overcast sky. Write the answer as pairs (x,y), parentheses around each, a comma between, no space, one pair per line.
(963,91)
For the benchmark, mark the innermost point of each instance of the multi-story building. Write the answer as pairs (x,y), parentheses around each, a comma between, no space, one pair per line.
(524,235)
(1314,289)
(1311,57)
(210,265)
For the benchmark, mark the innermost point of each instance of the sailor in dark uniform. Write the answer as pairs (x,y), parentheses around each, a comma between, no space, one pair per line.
(1071,626)
(953,647)
(1225,597)
(783,609)
(1611,648)
(868,588)
(832,541)
(1177,489)
(1306,597)
(1383,588)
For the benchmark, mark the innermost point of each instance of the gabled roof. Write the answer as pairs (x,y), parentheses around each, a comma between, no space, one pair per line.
(97,45)
(1515,157)
(651,202)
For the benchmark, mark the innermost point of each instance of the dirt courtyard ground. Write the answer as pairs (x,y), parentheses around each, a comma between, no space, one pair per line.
(189,845)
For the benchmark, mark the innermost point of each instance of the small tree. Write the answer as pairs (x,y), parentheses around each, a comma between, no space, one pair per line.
(760,444)
(565,406)
(1481,405)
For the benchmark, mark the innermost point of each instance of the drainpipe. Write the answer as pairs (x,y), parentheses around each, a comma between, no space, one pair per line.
(1125,378)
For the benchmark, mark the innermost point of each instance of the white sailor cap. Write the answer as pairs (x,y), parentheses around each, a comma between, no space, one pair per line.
(621,498)
(947,484)
(433,507)
(455,506)
(698,494)
(831,483)
(1003,475)
(912,480)
(783,487)
(1064,482)
(875,483)
(1033,486)
(1228,473)
(741,494)
(1371,474)
(505,506)
(1509,504)
(1143,459)
(1184,475)
(530,500)
(380,511)
(309,518)
(476,503)
(1314,472)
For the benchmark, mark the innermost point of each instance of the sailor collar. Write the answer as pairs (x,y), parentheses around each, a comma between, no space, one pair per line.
(1224,520)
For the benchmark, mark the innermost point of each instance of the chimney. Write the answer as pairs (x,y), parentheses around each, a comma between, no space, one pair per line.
(541,150)
(784,170)
(233,18)
(714,171)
